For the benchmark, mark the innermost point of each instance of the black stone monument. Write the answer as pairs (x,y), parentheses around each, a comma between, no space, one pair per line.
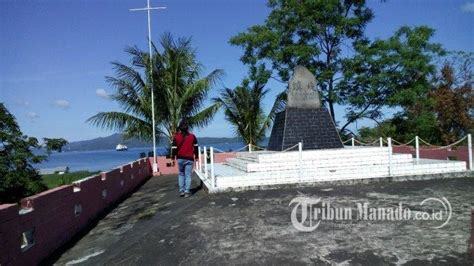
(304,120)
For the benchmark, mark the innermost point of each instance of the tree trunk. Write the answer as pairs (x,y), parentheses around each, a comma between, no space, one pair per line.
(331,109)
(330,101)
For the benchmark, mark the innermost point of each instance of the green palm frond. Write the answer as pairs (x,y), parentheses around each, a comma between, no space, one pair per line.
(243,109)
(205,116)
(278,106)
(179,91)
(115,120)
(130,74)
(139,58)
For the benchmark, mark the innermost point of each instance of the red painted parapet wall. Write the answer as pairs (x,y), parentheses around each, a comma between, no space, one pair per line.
(165,168)
(54,216)
(458,154)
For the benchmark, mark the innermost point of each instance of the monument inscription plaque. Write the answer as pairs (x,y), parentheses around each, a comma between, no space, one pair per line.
(304,120)
(303,90)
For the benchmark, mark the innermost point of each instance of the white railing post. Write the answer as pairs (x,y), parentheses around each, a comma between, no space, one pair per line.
(469,150)
(300,154)
(352,141)
(250,148)
(199,166)
(417,146)
(389,142)
(213,180)
(206,175)
(381,142)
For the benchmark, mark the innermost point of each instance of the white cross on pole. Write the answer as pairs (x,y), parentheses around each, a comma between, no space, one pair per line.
(148,8)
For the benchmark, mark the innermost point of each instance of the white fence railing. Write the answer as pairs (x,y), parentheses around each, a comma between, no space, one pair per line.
(205,163)
(417,140)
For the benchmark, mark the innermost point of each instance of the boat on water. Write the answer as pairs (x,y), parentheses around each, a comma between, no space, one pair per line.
(121,147)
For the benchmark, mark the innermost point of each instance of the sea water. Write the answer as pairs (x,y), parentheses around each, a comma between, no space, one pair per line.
(104,160)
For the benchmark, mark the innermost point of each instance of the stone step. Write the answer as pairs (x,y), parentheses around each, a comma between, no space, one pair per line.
(321,155)
(293,176)
(336,164)
(425,165)
(250,157)
(266,156)
(273,168)
(240,165)
(247,166)
(222,169)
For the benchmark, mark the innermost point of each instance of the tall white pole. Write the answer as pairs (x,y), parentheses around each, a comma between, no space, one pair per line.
(352,142)
(381,142)
(148,9)
(417,146)
(199,166)
(155,165)
(300,157)
(206,174)
(213,180)
(469,150)
(389,143)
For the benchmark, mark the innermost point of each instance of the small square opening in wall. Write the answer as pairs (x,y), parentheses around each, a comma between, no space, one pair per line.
(452,158)
(27,239)
(77,209)
(76,187)
(26,207)
(104,193)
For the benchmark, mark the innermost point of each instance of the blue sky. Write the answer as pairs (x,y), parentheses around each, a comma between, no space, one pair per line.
(54,54)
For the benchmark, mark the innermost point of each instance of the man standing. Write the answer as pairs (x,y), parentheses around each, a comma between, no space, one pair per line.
(185,149)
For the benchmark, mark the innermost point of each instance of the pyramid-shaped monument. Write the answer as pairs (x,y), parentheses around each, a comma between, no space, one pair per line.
(304,120)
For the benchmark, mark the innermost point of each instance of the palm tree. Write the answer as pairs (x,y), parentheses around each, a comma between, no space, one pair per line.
(178,90)
(243,109)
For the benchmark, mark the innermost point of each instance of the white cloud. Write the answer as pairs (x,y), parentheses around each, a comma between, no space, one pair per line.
(63,104)
(102,93)
(468,7)
(22,103)
(32,115)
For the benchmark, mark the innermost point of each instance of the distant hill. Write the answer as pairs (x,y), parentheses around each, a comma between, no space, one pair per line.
(107,143)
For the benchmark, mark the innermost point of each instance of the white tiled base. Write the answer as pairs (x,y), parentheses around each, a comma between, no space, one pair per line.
(274,168)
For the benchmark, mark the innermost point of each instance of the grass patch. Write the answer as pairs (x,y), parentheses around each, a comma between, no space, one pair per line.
(56,180)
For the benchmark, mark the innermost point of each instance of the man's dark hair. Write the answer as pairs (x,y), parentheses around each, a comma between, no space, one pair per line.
(183,127)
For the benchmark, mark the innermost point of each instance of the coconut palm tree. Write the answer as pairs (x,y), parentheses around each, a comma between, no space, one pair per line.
(243,108)
(179,91)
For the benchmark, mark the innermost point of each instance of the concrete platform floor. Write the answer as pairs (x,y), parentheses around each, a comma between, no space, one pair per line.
(154,226)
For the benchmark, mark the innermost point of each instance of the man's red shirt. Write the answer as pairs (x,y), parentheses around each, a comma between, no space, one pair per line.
(185,146)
